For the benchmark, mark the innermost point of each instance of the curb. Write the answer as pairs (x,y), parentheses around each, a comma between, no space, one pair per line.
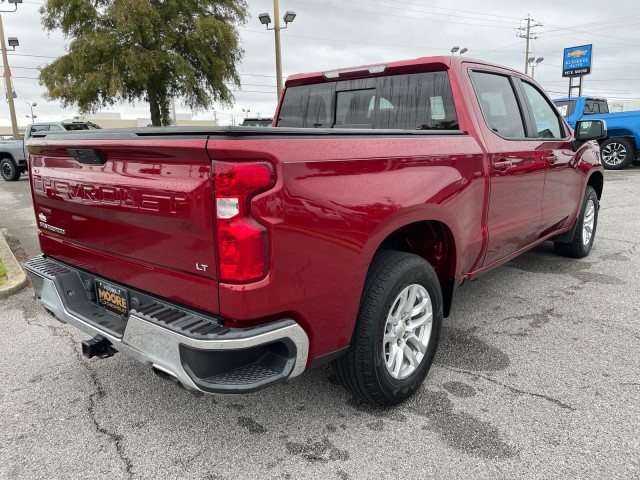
(17,278)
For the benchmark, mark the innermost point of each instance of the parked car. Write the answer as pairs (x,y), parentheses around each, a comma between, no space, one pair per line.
(620,148)
(13,156)
(231,259)
(257,122)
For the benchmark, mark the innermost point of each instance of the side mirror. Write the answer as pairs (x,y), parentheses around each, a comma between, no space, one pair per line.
(590,130)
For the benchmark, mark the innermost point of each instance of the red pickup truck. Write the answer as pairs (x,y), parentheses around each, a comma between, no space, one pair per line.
(230,259)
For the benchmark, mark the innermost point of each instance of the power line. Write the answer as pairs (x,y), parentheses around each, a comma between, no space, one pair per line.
(602,22)
(27,55)
(592,33)
(455,10)
(491,52)
(352,41)
(425,11)
(24,68)
(599,41)
(307,2)
(605,80)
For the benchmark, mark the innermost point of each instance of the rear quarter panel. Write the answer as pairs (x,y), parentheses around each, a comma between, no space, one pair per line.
(336,200)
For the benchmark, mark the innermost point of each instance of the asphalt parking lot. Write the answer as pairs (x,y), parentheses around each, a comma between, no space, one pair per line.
(537,376)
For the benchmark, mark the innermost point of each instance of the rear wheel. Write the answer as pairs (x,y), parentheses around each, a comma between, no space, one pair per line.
(397,330)
(9,170)
(585,231)
(617,153)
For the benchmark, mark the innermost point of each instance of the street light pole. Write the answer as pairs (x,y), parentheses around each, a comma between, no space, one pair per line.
(7,79)
(31,105)
(276,13)
(533,63)
(265,19)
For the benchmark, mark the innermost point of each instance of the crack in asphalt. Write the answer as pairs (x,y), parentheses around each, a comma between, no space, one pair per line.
(618,240)
(59,332)
(114,437)
(514,389)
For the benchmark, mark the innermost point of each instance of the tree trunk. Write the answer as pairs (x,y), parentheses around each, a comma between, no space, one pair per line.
(154,104)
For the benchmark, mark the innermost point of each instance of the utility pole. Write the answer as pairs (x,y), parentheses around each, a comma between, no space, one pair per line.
(529,36)
(526,55)
(7,79)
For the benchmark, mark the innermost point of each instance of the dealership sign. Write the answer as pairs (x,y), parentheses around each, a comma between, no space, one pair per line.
(577,61)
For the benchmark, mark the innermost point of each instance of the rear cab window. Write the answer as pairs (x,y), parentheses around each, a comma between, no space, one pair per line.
(593,107)
(420,101)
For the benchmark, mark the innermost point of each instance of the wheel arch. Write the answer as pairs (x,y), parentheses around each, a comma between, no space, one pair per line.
(8,155)
(620,133)
(596,180)
(434,241)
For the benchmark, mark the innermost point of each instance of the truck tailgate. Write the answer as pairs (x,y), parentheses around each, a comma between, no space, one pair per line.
(139,211)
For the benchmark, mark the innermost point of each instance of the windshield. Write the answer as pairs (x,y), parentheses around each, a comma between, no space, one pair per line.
(566,107)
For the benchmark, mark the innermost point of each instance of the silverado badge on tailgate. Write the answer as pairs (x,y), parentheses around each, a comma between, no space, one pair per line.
(112,298)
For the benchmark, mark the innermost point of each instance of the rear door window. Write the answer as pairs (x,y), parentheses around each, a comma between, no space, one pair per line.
(498,103)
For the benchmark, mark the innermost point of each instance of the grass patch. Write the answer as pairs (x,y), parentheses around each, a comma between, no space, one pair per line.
(3,273)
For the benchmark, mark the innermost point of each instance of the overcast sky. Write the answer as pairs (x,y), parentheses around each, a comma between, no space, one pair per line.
(328,34)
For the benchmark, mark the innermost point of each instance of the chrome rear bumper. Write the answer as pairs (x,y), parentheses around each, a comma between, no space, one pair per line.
(197,350)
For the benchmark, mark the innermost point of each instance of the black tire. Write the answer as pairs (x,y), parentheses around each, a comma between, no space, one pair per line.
(9,170)
(363,370)
(617,153)
(577,248)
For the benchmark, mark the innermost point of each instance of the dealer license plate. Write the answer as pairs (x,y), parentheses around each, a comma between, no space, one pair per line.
(112,298)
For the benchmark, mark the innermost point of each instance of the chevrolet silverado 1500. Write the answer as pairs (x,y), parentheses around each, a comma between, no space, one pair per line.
(230,259)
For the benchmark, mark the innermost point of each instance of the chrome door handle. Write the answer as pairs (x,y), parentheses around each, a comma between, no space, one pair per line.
(551,158)
(502,165)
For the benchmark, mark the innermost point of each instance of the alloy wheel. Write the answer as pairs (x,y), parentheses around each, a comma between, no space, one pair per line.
(407,331)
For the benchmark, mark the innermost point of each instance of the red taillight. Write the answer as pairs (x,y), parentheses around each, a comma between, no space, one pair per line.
(242,242)
(233,179)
